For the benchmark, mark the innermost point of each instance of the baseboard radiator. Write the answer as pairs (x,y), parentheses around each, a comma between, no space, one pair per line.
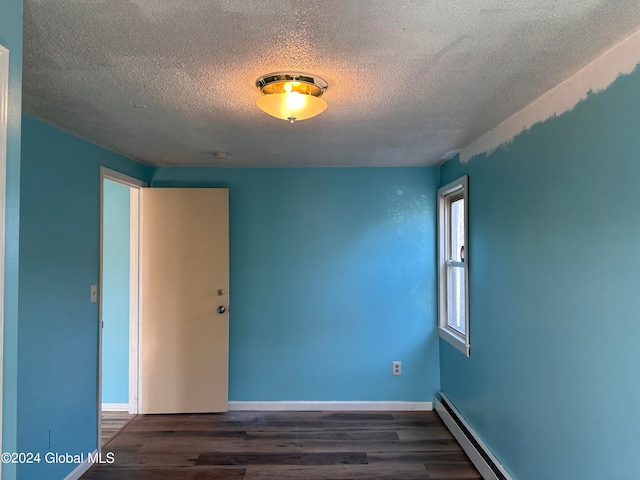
(476,450)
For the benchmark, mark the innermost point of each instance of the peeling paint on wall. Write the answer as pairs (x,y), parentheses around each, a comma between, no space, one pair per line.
(621,59)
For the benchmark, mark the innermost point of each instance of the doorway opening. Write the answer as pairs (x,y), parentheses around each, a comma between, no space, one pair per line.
(183,283)
(118,303)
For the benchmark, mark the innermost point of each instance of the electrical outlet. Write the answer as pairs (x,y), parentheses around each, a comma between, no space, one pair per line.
(396,368)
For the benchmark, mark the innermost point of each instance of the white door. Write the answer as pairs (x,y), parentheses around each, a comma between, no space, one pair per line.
(184,300)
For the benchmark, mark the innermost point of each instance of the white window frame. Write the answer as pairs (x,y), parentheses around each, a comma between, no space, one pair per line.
(445,194)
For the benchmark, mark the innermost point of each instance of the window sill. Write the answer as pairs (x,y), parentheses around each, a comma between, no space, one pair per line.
(455,340)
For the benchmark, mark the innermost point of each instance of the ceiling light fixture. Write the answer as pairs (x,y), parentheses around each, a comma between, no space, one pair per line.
(291,96)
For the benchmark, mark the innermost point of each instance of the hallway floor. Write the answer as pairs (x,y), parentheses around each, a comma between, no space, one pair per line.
(112,422)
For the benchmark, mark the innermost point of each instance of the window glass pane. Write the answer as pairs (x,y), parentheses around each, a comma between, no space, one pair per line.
(456,302)
(457,231)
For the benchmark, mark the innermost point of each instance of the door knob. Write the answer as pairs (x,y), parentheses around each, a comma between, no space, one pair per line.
(222,309)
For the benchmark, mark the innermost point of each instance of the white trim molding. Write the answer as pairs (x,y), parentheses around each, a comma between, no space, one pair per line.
(622,59)
(114,176)
(302,406)
(115,407)
(481,457)
(4,120)
(82,467)
(134,297)
(457,341)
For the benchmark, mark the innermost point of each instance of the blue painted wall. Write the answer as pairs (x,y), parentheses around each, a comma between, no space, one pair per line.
(552,382)
(332,278)
(58,338)
(115,293)
(11,38)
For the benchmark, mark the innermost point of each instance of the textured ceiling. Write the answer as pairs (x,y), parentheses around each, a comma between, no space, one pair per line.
(168,82)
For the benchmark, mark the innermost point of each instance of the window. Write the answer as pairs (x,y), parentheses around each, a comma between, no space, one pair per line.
(453,264)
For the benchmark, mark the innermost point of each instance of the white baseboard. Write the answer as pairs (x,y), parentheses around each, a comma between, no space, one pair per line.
(115,407)
(475,449)
(338,406)
(81,468)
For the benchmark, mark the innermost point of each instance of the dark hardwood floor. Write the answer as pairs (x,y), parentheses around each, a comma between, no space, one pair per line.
(112,422)
(286,446)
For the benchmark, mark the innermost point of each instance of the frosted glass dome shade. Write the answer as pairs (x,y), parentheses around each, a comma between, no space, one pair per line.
(291,96)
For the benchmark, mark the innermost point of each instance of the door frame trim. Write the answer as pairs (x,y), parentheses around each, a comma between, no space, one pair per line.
(134,288)
(4,120)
